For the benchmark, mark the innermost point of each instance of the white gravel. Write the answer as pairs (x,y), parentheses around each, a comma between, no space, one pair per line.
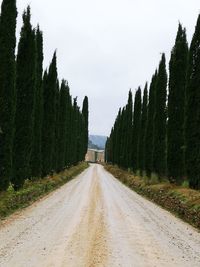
(96,221)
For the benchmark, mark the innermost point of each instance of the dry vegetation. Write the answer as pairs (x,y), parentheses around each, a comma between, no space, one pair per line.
(33,190)
(184,202)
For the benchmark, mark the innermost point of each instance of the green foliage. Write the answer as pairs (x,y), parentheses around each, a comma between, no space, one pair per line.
(85,114)
(137,172)
(136,130)
(149,127)
(185,184)
(55,160)
(33,190)
(128,132)
(154,178)
(49,117)
(62,126)
(165,131)
(176,107)
(36,156)
(41,131)
(192,128)
(74,133)
(183,202)
(7,88)
(25,100)
(145,178)
(119,146)
(142,139)
(159,122)
(68,136)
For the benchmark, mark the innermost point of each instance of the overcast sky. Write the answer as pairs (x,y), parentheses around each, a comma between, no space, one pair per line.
(106,47)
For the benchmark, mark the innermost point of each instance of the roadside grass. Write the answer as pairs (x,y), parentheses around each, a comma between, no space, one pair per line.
(11,200)
(180,200)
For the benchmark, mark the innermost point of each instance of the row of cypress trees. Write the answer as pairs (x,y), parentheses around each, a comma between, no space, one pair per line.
(161,134)
(42,129)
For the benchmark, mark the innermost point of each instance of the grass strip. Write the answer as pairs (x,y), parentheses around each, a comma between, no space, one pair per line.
(183,202)
(11,201)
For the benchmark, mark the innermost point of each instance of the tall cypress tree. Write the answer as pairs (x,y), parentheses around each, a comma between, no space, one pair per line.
(149,127)
(80,131)
(85,113)
(121,139)
(36,157)
(25,90)
(176,104)
(49,117)
(128,131)
(57,129)
(71,144)
(192,129)
(159,126)
(74,132)
(7,88)
(142,144)
(136,129)
(68,146)
(62,125)
(117,138)
(107,150)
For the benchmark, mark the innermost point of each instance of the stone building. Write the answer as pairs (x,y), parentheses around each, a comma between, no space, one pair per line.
(94,155)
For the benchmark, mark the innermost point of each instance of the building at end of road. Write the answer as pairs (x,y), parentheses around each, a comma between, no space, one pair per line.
(95,156)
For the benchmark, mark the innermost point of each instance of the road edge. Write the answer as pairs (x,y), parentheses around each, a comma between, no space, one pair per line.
(169,197)
(11,201)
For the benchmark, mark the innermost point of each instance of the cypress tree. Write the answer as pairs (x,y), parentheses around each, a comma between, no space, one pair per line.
(36,157)
(116,139)
(68,128)
(107,150)
(74,133)
(71,143)
(149,127)
(7,88)
(56,159)
(142,144)
(112,146)
(176,104)
(121,139)
(71,147)
(192,129)
(136,129)
(62,125)
(25,90)
(85,113)
(128,131)
(80,133)
(49,117)
(159,126)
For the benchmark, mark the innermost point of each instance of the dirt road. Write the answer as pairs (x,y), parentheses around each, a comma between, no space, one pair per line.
(95,221)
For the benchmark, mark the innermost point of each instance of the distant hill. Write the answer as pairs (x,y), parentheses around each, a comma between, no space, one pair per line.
(93,146)
(98,140)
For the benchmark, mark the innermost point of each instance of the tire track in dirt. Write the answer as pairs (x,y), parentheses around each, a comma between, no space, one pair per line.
(89,239)
(95,221)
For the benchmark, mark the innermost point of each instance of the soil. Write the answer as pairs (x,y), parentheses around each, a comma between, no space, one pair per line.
(94,221)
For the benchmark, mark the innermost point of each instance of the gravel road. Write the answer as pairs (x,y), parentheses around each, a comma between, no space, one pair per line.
(96,221)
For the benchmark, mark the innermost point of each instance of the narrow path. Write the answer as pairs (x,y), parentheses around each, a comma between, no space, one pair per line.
(96,221)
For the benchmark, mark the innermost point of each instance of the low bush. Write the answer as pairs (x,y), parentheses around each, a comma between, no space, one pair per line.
(154,178)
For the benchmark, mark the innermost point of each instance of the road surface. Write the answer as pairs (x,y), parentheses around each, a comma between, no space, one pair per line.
(96,221)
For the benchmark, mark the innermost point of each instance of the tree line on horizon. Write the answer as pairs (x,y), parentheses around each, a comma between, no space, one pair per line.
(160,133)
(42,129)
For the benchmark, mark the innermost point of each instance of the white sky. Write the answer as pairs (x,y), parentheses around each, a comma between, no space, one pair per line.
(106,47)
